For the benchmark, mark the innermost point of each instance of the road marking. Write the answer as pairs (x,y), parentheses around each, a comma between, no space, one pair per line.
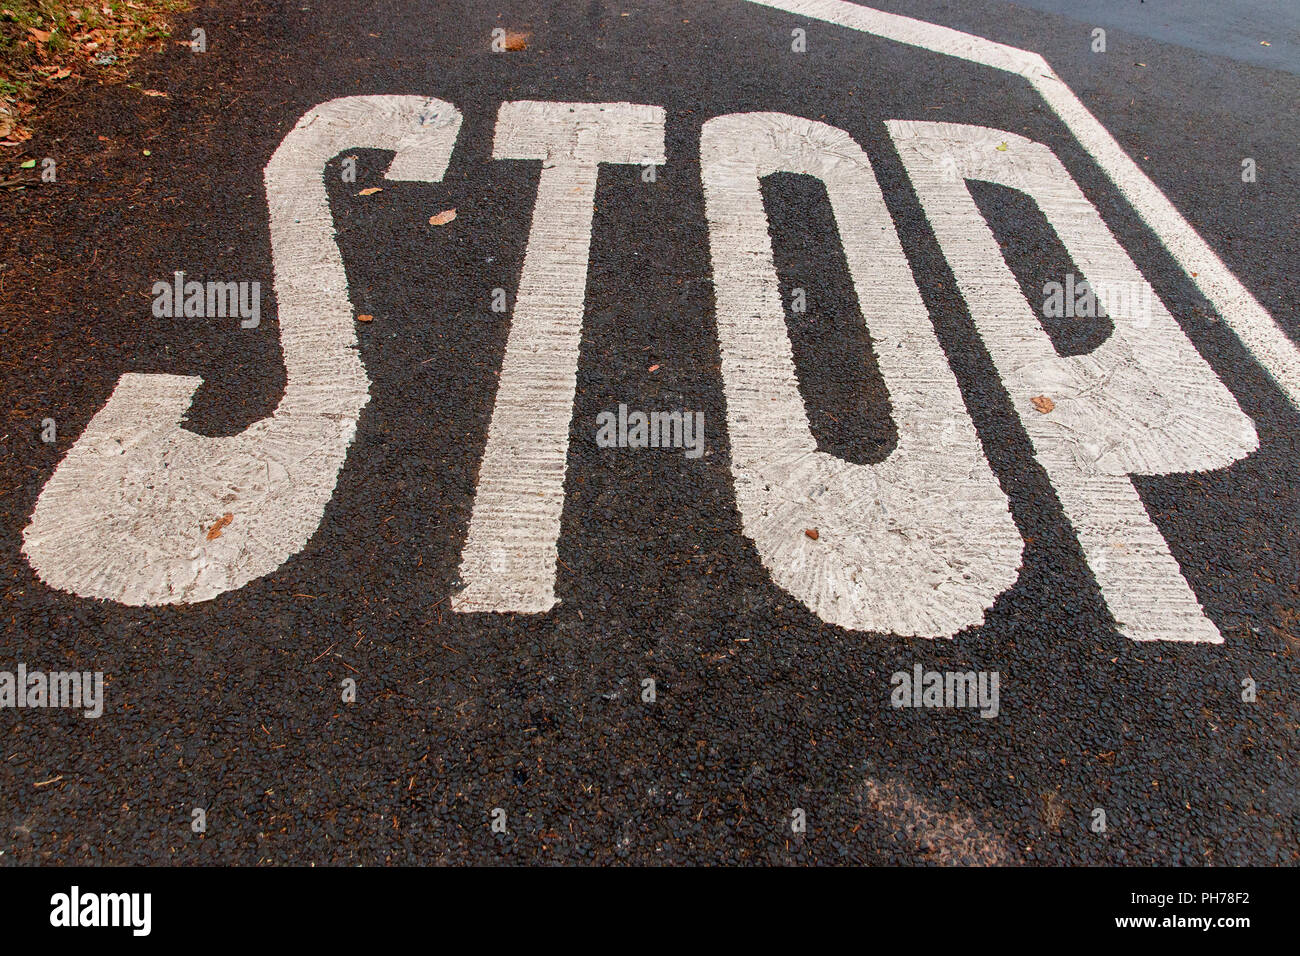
(1143,402)
(920,544)
(1254,327)
(510,554)
(125,514)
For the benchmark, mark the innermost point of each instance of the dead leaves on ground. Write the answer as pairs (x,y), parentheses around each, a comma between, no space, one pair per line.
(437,219)
(52,43)
(1043,403)
(516,40)
(11,134)
(215,531)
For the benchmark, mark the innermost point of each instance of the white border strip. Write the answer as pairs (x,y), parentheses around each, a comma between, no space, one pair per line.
(1240,311)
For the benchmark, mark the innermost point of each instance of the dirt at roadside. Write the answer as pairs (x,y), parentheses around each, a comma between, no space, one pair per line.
(48,47)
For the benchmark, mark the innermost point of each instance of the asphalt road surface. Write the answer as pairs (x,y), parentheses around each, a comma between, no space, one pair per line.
(385,577)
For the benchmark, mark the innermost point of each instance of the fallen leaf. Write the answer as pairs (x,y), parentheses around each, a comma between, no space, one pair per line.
(370,191)
(61,74)
(517,40)
(1264,43)
(365,318)
(40,36)
(147,152)
(215,531)
(654,368)
(30,164)
(1043,403)
(442,218)
(154,93)
(1002,147)
(811,532)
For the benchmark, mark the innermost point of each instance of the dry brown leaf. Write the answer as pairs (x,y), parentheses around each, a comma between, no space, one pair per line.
(365,318)
(1043,403)
(153,93)
(442,218)
(61,74)
(517,40)
(370,191)
(215,531)
(654,368)
(39,36)
(812,533)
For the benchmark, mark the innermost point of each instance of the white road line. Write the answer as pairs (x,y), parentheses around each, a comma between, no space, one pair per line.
(920,544)
(510,554)
(1143,402)
(1240,311)
(125,515)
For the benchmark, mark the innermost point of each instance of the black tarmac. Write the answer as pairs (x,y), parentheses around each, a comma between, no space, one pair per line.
(234,705)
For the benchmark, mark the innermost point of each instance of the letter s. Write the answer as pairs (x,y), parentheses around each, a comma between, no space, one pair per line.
(126,513)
